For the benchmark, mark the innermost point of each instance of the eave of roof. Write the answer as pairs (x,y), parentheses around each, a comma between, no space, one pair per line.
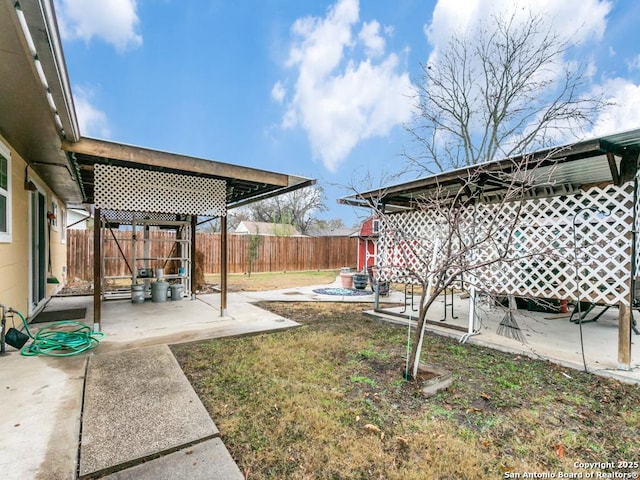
(29,33)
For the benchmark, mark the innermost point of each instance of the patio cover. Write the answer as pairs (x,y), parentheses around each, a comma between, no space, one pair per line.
(562,170)
(598,171)
(243,185)
(38,119)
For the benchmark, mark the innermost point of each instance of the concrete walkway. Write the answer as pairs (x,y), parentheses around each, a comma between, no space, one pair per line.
(141,419)
(139,407)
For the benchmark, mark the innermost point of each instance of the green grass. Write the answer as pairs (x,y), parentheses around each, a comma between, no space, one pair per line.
(274,280)
(327,401)
(360,379)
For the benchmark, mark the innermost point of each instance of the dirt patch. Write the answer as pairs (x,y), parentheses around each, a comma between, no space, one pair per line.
(76,288)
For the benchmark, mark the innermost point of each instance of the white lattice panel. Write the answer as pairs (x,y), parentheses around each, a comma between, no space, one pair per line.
(543,260)
(636,273)
(120,188)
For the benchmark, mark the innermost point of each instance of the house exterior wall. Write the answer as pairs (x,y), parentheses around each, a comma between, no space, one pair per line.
(14,260)
(15,254)
(58,248)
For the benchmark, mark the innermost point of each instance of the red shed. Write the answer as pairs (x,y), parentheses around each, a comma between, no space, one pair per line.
(368,243)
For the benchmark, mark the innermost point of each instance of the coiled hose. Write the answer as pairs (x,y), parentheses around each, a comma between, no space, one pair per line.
(60,339)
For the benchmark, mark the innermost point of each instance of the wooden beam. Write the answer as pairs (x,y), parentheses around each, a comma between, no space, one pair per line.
(97,270)
(625,312)
(144,158)
(624,337)
(613,168)
(223,266)
(628,166)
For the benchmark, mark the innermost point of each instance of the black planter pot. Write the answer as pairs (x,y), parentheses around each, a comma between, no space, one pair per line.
(360,281)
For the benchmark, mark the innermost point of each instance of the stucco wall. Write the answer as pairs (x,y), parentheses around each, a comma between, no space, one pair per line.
(15,255)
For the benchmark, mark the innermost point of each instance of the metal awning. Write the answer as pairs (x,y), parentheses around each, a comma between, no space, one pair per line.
(244,184)
(561,170)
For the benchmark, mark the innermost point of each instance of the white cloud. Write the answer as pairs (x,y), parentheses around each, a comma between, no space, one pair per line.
(634,63)
(115,21)
(91,121)
(370,36)
(623,115)
(278,92)
(341,99)
(579,20)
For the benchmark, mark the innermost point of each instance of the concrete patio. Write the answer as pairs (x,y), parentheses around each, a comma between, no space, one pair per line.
(547,336)
(72,417)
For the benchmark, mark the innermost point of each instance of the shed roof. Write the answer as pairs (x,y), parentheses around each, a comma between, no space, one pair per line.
(561,170)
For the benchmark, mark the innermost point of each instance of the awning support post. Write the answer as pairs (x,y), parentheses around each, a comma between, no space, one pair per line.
(223,266)
(97,270)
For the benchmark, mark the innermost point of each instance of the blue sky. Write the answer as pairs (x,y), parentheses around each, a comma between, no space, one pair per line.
(318,89)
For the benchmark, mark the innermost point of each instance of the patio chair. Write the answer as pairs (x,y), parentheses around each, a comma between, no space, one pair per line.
(587,307)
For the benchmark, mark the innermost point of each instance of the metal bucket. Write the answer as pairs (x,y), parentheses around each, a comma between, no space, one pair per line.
(159,291)
(137,293)
(176,292)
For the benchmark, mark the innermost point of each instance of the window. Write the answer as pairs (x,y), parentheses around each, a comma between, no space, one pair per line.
(5,193)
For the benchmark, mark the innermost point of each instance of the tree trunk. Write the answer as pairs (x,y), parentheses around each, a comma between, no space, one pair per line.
(422,319)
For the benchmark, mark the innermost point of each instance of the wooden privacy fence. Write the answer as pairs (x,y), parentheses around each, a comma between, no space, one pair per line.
(273,253)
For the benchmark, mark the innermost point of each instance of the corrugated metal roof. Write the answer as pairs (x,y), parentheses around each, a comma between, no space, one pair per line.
(624,139)
(562,170)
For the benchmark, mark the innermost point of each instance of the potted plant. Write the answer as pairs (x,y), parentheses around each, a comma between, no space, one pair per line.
(360,280)
(346,277)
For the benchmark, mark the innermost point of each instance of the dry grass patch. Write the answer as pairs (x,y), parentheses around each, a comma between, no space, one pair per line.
(328,401)
(257,282)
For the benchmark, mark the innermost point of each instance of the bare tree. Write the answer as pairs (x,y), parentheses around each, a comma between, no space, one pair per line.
(498,91)
(298,208)
(458,231)
(237,215)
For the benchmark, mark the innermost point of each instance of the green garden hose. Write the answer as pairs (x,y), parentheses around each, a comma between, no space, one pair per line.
(60,339)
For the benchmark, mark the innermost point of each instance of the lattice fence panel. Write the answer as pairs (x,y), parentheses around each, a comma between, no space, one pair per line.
(636,273)
(542,260)
(120,188)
